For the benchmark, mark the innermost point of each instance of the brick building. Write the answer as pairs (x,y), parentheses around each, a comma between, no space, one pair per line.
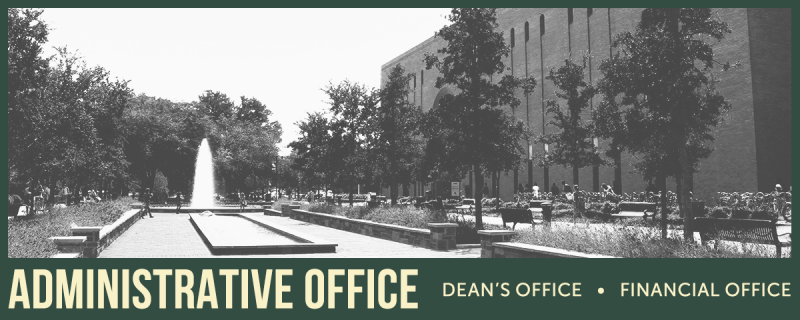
(752,147)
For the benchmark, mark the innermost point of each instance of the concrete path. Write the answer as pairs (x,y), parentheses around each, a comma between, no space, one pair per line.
(173,236)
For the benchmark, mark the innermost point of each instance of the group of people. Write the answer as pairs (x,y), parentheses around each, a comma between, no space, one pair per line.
(39,195)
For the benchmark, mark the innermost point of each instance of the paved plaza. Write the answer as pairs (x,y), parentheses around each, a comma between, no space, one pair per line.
(170,235)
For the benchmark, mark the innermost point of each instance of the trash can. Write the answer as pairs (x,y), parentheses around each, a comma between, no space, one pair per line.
(547,211)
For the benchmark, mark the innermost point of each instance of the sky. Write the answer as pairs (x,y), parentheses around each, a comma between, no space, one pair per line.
(282,57)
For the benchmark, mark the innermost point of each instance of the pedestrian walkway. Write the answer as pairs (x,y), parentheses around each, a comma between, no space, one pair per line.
(173,236)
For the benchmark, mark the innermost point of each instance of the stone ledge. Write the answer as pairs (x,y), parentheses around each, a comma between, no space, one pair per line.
(367,222)
(85,229)
(66,255)
(73,240)
(439,236)
(497,232)
(546,251)
(126,216)
(443,225)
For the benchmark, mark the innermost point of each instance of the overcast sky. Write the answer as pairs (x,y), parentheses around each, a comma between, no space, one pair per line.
(282,57)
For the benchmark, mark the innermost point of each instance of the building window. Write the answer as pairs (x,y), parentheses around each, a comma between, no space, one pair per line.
(541,25)
(526,31)
(569,15)
(512,37)
(421,77)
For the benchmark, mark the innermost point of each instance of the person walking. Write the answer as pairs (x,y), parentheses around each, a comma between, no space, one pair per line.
(178,202)
(146,198)
(535,190)
(65,194)
(242,201)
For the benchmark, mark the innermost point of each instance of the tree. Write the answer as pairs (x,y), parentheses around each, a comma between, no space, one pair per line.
(27,76)
(573,144)
(468,130)
(661,90)
(253,111)
(352,106)
(243,150)
(71,128)
(393,136)
(312,150)
(27,69)
(216,105)
(161,136)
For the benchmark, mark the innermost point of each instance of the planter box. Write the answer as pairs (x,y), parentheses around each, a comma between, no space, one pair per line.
(495,244)
(94,239)
(439,236)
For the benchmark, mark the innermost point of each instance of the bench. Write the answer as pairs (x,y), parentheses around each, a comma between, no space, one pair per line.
(434,205)
(536,205)
(635,210)
(741,230)
(516,215)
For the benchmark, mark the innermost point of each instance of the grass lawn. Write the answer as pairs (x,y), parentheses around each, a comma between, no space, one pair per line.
(28,237)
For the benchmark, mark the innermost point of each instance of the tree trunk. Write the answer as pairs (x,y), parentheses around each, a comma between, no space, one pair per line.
(662,186)
(685,180)
(393,190)
(617,170)
(351,196)
(575,175)
(478,194)
(679,188)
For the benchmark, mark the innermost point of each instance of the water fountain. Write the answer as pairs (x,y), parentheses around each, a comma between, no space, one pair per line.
(228,230)
(203,188)
(203,191)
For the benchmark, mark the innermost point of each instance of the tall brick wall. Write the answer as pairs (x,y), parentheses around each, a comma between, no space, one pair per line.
(743,143)
(771,60)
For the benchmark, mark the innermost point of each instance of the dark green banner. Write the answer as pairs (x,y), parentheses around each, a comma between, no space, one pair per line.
(521,287)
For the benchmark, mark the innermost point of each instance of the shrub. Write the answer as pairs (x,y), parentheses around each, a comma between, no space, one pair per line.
(28,237)
(631,242)
(740,214)
(720,212)
(763,215)
(466,233)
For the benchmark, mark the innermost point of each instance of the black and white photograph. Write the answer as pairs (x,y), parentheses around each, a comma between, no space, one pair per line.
(399,133)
